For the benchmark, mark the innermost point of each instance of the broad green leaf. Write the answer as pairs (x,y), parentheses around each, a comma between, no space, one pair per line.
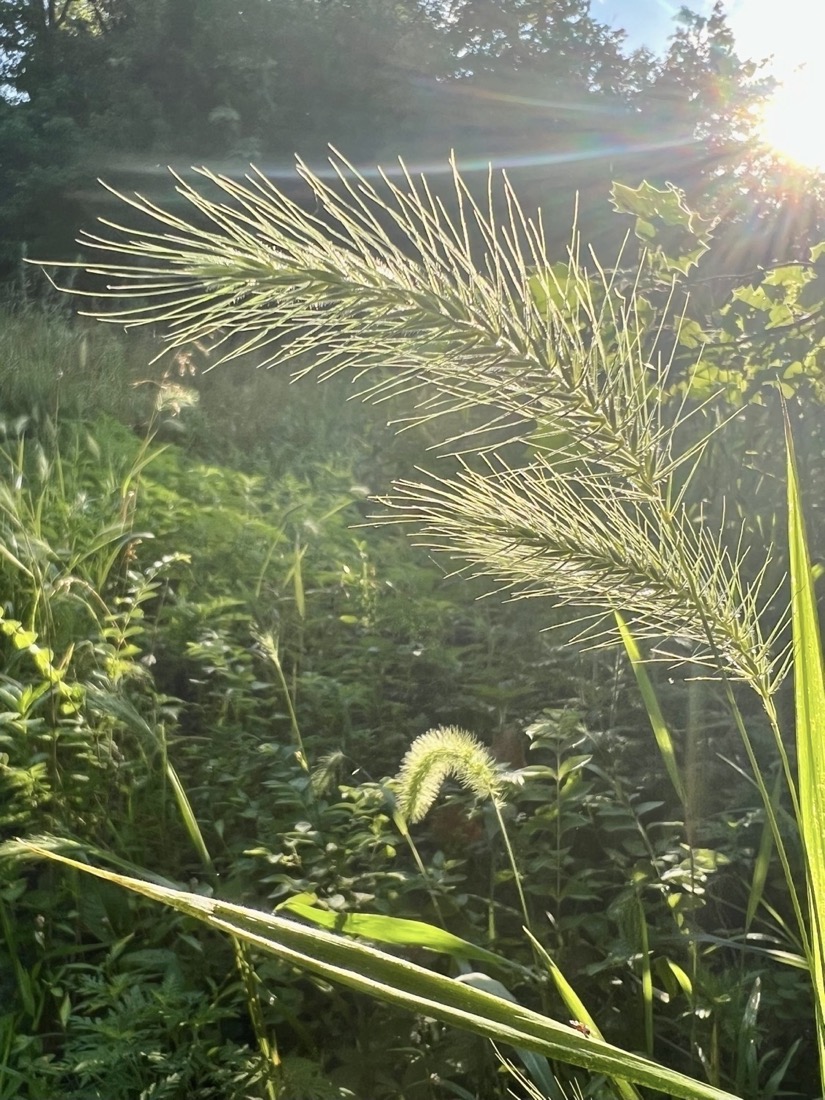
(22,638)
(664,221)
(809,697)
(793,276)
(397,930)
(396,981)
(550,288)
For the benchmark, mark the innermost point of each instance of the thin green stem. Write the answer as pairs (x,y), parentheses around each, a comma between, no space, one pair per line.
(270,648)
(513,865)
(401,825)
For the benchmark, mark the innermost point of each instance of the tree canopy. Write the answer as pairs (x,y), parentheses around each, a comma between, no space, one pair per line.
(119,88)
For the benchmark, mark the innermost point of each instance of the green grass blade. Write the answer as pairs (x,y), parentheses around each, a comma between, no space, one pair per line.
(25,986)
(763,860)
(647,976)
(395,930)
(654,711)
(572,1002)
(369,971)
(578,1010)
(298,579)
(809,696)
(187,814)
(269,646)
(107,703)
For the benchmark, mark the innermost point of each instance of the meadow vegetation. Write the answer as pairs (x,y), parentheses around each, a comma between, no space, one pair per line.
(214,664)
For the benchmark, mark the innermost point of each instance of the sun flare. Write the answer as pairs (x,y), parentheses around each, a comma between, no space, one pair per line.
(793,122)
(788,36)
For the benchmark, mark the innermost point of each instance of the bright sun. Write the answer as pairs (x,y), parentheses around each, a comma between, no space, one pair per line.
(793,122)
(790,34)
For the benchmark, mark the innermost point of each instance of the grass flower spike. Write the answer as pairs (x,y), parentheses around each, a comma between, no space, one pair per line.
(434,757)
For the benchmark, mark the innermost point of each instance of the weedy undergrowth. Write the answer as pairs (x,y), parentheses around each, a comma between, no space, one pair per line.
(577,482)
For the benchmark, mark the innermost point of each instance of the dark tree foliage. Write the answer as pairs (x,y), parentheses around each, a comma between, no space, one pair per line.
(144,83)
(558,40)
(54,52)
(119,88)
(215,77)
(51,52)
(38,168)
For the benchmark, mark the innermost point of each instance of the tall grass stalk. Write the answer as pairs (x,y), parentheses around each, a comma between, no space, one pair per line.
(576,483)
(269,647)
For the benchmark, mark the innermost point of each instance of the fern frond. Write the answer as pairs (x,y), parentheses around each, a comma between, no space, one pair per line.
(434,757)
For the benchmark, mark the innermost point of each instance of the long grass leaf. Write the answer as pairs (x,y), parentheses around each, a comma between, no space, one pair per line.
(762,862)
(654,711)
(396,981)
(298,579)
(809,697)
(396,930)
(647,976)
(577,1009)
(187,814)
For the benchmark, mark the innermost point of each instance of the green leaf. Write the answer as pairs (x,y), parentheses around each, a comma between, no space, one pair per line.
(383,929)
(809,697)
(788,275)
(665,221)
(369,971)
(550,288)
(21,638)
(654,711)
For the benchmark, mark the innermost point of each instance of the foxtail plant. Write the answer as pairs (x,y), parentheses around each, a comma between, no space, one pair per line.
(575,483)
(448,751)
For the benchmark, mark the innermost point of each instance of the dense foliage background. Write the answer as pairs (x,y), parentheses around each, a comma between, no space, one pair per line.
(120,88)
(211,661)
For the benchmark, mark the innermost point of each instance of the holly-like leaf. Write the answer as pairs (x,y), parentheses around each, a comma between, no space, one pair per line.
(665,223)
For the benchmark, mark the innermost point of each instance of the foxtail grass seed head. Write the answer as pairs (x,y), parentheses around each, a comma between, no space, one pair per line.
(436,756)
